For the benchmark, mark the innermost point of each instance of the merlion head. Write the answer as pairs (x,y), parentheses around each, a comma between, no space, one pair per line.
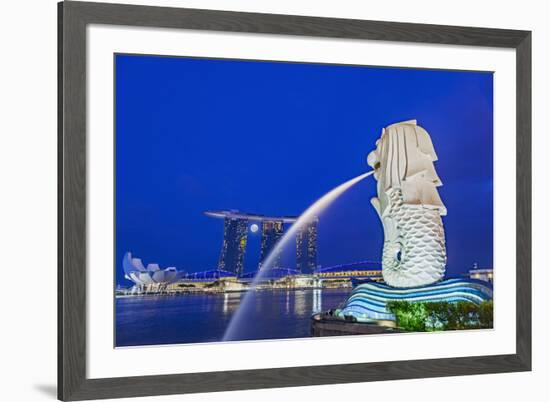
(409,206)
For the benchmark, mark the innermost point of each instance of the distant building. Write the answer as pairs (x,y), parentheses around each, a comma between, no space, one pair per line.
(272,231)
(151,278)
(273,228)
(235,232)
(235,237)
(482,274)
(306,247)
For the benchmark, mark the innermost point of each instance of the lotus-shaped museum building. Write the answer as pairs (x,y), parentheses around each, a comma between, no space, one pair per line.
(148,278)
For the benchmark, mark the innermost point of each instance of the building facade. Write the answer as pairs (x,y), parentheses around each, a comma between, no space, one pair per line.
(482,274)
(272,231)
(306,247)
(235,232)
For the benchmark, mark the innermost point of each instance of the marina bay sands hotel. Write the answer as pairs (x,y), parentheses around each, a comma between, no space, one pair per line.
(235,232)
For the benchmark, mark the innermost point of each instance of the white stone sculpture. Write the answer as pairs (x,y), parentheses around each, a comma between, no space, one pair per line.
(409,206)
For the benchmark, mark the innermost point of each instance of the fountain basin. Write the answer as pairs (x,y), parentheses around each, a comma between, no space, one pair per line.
(325,324)
(368,301)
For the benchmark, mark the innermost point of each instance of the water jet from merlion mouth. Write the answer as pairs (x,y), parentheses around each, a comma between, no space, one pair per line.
(231,333)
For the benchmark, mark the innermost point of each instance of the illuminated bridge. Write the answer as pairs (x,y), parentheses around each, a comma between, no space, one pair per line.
(356,270)
(368,270)
(208,276)
(235,234)
(270,274)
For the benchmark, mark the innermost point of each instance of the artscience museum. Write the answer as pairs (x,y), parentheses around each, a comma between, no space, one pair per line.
(150,278)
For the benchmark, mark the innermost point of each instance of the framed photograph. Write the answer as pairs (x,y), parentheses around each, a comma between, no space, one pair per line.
(255,201)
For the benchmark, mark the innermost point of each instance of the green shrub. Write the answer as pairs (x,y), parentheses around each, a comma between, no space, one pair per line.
(441,316)
(486,314)
(409,316)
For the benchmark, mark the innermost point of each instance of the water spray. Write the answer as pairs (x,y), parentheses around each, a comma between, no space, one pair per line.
(309,214)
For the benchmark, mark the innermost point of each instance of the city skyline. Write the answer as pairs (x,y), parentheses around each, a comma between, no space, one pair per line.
(275,146)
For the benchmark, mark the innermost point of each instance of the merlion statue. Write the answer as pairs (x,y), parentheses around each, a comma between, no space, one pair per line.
(414,256)
(409,206)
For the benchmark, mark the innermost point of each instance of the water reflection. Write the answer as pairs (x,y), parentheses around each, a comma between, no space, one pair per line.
(156,320)
(231,302)
(299,302)
(317,301)
(287,304)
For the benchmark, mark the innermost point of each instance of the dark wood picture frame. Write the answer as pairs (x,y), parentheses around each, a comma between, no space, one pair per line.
(73,18)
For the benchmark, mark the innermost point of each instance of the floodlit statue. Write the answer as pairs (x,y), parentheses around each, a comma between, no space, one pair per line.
(409,206)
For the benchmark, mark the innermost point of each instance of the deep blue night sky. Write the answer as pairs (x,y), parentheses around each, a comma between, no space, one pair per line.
(271,138)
